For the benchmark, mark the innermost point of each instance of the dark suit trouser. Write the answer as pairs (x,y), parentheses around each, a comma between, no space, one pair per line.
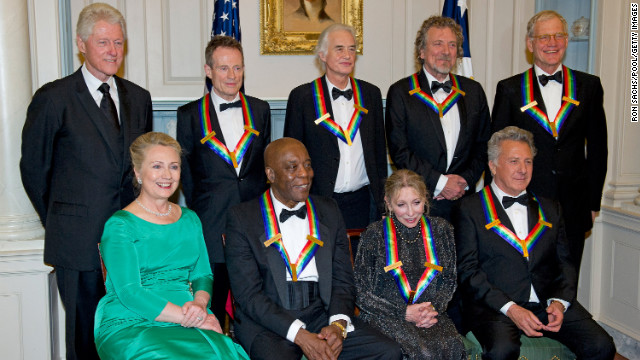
(80,292)
(501,339)
(576,248)
(220,291)
(363,343)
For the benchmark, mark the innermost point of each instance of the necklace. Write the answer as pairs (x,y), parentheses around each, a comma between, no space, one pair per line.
(153,212)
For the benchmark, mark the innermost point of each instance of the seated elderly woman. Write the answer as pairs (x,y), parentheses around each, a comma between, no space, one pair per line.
(406,273)
(159,279)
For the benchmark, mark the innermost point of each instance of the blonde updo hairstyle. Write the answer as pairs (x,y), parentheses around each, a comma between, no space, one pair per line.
(139,147)
(406,178)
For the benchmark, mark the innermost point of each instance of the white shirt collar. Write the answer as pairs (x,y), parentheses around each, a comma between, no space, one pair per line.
(93,83)
(330,85)
(539,71)
(217,100)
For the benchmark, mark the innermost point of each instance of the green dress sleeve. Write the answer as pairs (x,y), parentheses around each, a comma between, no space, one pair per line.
(120,257)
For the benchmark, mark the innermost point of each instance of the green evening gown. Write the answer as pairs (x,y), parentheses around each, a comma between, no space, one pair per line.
(149,265)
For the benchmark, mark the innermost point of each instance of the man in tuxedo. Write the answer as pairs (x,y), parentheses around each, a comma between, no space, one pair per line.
(514,266)
(563,109)
(290,271)
(223,135)
(340,121)
(75,164)
(438,123)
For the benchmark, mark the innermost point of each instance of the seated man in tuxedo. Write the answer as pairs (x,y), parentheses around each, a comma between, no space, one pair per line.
(290,272)
(514,286)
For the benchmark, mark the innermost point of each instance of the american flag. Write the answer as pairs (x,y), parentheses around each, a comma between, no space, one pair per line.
(226,19)
(457,10)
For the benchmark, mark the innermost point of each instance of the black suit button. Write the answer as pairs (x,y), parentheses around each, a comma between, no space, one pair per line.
(553,172)
(332,182)
(241,179)
(336,159)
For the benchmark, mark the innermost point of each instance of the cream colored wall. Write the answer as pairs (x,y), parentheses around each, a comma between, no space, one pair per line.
(166,39)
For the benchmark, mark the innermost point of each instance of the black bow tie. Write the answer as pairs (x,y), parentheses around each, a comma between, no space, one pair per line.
(544,79)
(226,106)
(446,86)
(507,201)
(286,214)
(336,93)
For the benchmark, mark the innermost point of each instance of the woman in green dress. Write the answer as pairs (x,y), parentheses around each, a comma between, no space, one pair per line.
(158,275)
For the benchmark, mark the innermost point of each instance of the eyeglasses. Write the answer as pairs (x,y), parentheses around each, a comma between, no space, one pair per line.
(561,36)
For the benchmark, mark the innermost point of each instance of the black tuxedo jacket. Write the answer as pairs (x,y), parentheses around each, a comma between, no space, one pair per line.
(211,185)
(417,142)
(76,167)
(491,272)
(258,274)
(562,170)
(323,145)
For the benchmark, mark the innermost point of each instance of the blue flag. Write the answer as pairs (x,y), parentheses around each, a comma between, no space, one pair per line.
(457,10)
(225,21)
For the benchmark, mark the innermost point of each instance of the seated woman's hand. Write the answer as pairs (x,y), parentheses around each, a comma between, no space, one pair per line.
(195,314)
(211,323)
(422,314)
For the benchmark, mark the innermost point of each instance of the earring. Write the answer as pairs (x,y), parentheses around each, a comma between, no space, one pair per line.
(139,181)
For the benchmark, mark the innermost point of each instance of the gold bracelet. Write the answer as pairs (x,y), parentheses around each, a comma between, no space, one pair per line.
(343,330)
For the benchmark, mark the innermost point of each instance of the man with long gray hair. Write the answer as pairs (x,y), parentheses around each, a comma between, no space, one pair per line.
(339,119)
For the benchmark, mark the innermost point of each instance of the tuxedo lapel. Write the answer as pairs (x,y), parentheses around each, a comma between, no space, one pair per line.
(463,136)
(431,116)
(502,215)
(278,271)
(324,263)
(106,130)
(366,130)
(327,98)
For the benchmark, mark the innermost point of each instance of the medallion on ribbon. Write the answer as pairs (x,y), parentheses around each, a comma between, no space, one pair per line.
(523,246)
(394,265)
(530,105)
(324,117)
(274,237)
(439,108)
(230,157)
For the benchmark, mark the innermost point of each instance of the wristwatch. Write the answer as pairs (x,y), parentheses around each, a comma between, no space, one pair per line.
(342,329)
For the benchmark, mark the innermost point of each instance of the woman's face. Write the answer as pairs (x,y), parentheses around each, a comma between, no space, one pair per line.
(159,172)
(408,206)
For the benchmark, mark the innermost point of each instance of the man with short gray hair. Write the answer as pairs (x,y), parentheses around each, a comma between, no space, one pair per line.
(75,166)
(514,269)
(339,119)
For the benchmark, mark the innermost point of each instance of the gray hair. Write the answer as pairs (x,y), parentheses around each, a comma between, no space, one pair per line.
(323,40)
(95,12)
(542,16)
(513,133)
(438,22)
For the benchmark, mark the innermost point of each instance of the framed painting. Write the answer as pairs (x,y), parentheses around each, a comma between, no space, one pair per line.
(292,27)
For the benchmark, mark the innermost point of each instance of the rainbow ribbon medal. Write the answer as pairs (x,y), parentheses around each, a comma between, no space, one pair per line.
(446,105)
(274,236)
(231,157)
(493,223)
(530,106)
(324,117)
(394,265)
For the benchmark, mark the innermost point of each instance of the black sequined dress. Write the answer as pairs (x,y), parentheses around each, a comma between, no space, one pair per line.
(379,299)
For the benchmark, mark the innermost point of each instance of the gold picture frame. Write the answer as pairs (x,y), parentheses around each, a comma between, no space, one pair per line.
(282,34)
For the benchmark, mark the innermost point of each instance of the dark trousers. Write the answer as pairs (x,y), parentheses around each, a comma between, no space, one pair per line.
(357,208)
(576,248)
(220,290)
(363,343)
(80,292)
(588,340)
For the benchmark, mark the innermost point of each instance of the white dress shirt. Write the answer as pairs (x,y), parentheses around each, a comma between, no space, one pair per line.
(551,93)
(352,173)
(94,83)
(231,123)
(294,237)
(450,126)
(518,215)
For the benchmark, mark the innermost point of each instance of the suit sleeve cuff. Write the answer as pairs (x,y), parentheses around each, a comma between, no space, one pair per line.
(566,304)
(294,328)
(337,317)
(442,182)
(506,307)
